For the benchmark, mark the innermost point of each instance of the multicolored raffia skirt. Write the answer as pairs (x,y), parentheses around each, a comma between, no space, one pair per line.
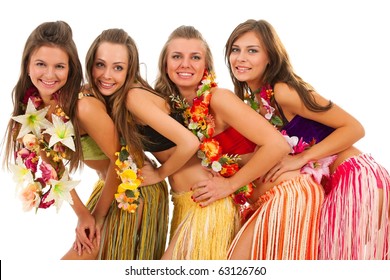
(285,222)
(202,233)
(135,236)
(355,215)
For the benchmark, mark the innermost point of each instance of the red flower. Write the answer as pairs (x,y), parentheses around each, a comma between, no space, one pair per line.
(229,169)
(211,149)
(239,198)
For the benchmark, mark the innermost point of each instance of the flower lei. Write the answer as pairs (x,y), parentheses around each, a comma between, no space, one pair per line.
(201,123)
(318,168)
(40,174)
(127,193)
(266,94)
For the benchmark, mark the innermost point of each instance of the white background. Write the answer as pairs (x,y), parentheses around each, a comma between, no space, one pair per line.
(340,47)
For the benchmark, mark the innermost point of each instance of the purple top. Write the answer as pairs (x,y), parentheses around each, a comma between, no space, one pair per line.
(308,129)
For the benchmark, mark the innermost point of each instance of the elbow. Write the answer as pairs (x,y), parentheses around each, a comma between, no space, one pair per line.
(359,131)
(362,131)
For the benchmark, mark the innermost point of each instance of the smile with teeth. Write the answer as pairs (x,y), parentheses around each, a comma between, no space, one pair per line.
(182,74)
(242,69)
(48,83)
(106,85)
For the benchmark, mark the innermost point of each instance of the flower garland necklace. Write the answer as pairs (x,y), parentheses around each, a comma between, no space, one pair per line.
(266,95)
(201,123)
(127,193)
(51,184)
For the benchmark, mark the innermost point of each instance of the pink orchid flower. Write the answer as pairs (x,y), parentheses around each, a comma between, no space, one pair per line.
(319,168)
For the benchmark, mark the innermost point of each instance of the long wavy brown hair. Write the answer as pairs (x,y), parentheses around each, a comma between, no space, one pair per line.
(116,103)
(279,68)
(53,34)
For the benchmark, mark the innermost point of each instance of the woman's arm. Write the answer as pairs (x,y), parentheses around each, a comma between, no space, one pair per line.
(227,108)
(347,131)
(95,121)
(150,110)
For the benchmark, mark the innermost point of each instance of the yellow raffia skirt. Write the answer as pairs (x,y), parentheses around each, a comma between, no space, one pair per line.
(135,236)
(286,222)
(202,233)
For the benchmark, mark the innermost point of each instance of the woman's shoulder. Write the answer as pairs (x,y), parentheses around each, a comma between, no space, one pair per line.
(220,92)
(142,95)
(284,93)
(224,99)
(88,103)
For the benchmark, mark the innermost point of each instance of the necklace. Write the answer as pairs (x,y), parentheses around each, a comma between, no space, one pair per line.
(39,171)
(201,123)
(266,95)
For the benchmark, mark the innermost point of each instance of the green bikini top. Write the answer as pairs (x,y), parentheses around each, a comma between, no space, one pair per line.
(91,150)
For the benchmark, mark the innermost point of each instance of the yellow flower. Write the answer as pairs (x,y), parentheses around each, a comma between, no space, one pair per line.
(133,185)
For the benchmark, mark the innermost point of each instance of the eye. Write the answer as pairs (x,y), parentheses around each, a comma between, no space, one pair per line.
(99,64)
(118,68)
(196,57)
(235,50)
(60,66)
(253,51)
(40,64)
(176,56)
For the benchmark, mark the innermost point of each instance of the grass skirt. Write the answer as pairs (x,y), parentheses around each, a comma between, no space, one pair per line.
(355,215)
(202,233)
(135,236)
(286,221)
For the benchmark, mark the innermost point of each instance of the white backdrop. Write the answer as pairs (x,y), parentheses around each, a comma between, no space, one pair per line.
(340,47)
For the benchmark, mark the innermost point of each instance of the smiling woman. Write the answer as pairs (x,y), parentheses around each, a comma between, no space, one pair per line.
(345,56)
(42,145)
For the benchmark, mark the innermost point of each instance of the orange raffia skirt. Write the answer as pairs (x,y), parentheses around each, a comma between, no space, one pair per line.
(286,222)
(355,216)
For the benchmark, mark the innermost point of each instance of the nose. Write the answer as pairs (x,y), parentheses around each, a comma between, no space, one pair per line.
(107,73)
(50,72)
(241,56)
(185,62)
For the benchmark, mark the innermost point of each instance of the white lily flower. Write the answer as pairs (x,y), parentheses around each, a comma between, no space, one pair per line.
(21,173)
(60,190)
(33,121)
(62,132)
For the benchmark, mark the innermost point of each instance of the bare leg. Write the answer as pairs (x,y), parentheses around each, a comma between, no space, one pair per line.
(73,254)
(169,251)
(243,248)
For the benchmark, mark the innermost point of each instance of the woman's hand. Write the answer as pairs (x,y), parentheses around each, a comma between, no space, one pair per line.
(288,163)
(85,233)
(150,174)
(208,191)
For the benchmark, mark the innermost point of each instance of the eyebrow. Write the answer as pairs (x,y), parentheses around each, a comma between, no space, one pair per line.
(250,46)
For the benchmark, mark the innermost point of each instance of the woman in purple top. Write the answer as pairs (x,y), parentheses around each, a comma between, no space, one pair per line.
(354,220)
